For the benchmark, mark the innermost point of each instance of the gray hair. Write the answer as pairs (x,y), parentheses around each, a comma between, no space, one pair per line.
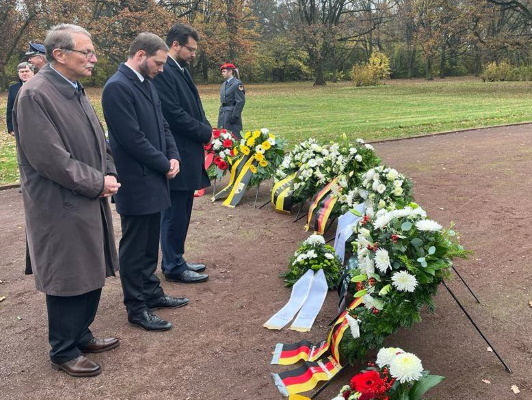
(149,42)
(61,37)
(25,64)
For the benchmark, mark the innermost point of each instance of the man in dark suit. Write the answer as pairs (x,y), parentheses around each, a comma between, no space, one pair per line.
(146,158)
(183,110)
(25,73)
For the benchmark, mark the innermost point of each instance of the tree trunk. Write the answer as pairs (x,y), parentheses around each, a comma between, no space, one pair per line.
(428,75)
(443,60)
(320,79)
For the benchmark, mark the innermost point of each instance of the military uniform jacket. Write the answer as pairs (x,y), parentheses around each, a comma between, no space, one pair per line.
(184,112)
(232,98)
(63,158)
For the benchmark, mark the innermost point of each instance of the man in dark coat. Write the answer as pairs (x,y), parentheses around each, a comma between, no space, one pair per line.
(232,99)
(67,173)
(183,110)
(146,158)
(25,73)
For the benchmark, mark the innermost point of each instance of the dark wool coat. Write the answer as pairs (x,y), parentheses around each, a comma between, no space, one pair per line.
(184,112)
(11,96)
(63,158)
(141,141)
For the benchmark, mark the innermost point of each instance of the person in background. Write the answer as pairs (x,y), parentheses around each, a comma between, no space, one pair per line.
(233,98)
(36,55)
(25,73)
(184,112)
(146,159)
(67,174)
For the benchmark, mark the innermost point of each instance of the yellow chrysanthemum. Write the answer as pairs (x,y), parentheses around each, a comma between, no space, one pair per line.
(266,145)
(263,163)
(256,134)
(259,156)
(271,136)
(247,135)
(253,169)
(245,150)
(250,142)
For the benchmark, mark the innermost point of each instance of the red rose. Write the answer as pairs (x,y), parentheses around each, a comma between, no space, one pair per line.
(222,165)
(217,160)
(227,143)
(216,133)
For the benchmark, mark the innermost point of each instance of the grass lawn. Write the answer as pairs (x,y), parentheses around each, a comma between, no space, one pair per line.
(400,108)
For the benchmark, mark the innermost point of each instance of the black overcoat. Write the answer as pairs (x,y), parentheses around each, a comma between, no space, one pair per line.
(184,112)
(141,142)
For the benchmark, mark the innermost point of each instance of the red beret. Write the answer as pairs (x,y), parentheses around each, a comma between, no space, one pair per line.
(227,66)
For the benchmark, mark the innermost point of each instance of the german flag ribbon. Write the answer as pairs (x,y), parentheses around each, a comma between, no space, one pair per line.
(321,208)
(307,376)
(313,370)
(282,193)
(239,186)
(235,171)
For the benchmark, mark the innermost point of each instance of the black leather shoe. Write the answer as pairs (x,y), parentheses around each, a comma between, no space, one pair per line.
(196,267)
(187,276)
(149,322)
(168,302)
(100,345)
(79,367)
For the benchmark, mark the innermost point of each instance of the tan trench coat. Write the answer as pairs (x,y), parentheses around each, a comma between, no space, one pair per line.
(63,157)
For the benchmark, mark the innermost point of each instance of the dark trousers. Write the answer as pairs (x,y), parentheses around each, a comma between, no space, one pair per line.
(138,255)
(174,228)
(69,319)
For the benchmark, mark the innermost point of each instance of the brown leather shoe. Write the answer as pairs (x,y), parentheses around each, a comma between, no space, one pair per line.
(97,345)
(79,367)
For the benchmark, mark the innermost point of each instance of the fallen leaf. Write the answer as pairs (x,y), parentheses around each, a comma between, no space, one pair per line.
(489,349)
(19,317)
(2,298)
(486,381)
(515,389)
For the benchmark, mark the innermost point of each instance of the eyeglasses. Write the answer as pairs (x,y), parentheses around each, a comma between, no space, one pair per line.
(191,49)
(87,53)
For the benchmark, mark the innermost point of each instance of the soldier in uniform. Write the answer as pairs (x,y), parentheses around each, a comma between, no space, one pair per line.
(233,98)
(36,55)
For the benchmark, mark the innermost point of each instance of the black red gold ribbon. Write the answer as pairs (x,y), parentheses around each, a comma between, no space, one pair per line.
(240,176)
(321,208)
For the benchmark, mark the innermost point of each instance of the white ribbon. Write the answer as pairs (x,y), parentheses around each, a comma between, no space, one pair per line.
(309,311)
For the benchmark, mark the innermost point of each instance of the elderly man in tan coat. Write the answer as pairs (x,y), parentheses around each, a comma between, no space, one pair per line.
(67,175)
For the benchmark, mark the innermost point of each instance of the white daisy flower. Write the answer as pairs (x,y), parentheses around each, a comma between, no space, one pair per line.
(260,149)
(386,355)
(382,260)
(406,367)
(404,282)
(428,225)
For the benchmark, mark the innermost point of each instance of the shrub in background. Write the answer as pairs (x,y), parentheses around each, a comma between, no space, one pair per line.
(371,73)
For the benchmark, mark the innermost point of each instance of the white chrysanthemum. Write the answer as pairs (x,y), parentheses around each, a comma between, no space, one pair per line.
(370,174)
(265,130)
(367,265)
(381,188)
(382,260)
(353,326)
(312,163)
(260,149)
(358,158)
(315,239)
(352,150)
(428,225)
(404,282)
(382,220)
(217,145)
(419,211)
(375,184)
(386,355)
(311,254)
(361,141)
(329,256)
(406,367)
(402,213)
(362,238)
(369,146)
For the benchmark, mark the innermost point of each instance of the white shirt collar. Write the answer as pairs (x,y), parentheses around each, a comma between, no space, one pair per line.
(141,78)
(180,67)
(75,84)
